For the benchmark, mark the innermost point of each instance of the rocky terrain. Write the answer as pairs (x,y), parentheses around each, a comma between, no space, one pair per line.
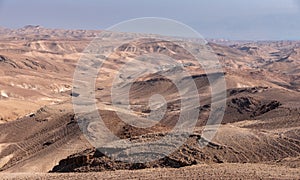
(259,136)
(202,171)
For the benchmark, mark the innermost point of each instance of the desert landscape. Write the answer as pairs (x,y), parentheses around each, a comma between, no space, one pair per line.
(42,137)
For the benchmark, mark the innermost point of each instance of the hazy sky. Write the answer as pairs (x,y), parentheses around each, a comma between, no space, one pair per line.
(232,19)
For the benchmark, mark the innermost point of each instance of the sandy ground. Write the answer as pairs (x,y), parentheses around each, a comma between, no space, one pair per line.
(205,171)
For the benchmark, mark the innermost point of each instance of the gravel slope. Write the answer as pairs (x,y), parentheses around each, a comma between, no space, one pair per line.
(204,171)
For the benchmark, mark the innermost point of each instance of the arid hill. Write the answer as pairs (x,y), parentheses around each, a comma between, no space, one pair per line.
(40,131)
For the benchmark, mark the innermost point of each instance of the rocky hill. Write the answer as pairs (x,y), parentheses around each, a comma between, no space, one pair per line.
(40,131)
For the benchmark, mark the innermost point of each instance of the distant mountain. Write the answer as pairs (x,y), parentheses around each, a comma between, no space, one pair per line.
(39,32)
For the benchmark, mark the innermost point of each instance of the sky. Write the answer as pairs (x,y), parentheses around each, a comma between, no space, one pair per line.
(229,19)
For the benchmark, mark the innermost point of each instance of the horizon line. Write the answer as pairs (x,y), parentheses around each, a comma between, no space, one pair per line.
(90,29)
